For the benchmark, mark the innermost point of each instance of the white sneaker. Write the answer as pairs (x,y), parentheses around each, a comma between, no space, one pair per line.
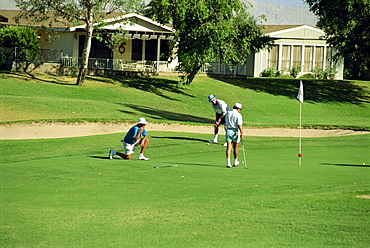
(213,141)
(228,166)
(142,157)
(111,154)
(236,163)
(225,144)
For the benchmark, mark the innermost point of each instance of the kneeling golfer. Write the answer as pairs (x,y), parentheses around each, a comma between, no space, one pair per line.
(136,135)
(234,132)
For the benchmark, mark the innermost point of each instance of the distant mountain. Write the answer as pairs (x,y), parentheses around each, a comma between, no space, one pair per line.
(279,14)
(8,5)
(291,3)
(276,14)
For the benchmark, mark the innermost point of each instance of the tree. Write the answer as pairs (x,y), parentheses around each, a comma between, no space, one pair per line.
(75,12)
(20,37)
(347,28)
(209,31)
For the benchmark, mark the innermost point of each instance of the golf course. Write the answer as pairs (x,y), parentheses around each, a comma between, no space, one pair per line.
(65,192)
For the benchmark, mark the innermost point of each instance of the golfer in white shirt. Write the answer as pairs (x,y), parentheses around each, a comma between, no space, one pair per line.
(220,108)
(234,132)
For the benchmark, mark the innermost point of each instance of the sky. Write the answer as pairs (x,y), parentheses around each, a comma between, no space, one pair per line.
(291,3)
(5,4)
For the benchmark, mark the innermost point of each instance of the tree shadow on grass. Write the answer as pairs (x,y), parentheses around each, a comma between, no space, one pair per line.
(156,86)
(315,91)
(349,165)
(160,114)
(52,79)
(180,138)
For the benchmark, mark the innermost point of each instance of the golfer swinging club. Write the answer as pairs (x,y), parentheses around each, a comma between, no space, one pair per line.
(220,107)
(234,132)
(136,135)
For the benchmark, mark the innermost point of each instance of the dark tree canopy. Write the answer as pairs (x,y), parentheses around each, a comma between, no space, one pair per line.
(347,27)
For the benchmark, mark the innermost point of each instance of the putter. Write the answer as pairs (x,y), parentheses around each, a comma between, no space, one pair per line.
(245,160)
(165,166)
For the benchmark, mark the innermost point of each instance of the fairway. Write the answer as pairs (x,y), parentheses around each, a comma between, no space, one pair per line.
(66,193)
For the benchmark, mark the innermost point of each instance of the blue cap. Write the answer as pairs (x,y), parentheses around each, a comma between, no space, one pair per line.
(211,97)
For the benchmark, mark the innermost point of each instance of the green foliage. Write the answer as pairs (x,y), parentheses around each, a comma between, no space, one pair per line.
(2,59)
(209,31)
(24,40)
(270,72)
(328,73)
(308,76)
(18,36)
(347,27)
(295,70)
(48,13)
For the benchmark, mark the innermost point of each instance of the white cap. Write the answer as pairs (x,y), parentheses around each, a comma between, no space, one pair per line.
(142,121)
(238,105)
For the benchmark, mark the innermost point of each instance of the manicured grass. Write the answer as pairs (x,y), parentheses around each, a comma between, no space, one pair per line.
(267,102)
(66,193)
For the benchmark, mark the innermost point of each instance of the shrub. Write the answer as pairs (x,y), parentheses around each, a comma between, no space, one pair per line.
(17,36)
(285,76)
(2,59)
(318,72)
(308,76)
(295,70)
(328,73)
(270,72)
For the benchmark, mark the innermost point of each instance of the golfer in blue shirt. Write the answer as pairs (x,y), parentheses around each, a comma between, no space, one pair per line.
(137,135)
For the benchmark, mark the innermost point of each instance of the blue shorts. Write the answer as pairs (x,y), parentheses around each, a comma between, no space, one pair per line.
(232,134)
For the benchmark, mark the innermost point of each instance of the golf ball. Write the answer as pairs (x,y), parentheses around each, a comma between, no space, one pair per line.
(207,143)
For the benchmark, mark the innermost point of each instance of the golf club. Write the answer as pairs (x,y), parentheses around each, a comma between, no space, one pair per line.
(165,166)
(245,160)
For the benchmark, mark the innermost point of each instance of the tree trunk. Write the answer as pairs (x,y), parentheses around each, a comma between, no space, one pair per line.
(193,73)
(86,52)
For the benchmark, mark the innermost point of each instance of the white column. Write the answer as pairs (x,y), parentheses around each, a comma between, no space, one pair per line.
(158,53)
(280,54)
(143,50)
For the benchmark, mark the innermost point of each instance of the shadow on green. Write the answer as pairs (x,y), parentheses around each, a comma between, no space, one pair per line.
(315,91)
(160,114)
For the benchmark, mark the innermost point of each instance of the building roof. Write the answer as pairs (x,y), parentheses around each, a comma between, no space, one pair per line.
(273,28)
(138,22)
(7,18)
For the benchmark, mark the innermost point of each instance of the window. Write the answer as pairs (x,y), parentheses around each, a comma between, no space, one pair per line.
(137,49)
(297,55)
(329,58)
(274,57)
(98,49)
(165,50)
(308,58)
(151,50)
(286,57)
(319,56)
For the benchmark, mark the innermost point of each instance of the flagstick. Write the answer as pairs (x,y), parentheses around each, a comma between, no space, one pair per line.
(300,134)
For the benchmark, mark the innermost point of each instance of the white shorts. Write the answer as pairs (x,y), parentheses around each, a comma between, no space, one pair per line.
(232,134)
(129,148)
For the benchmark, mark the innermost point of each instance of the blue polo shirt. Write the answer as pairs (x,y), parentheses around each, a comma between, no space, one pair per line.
(129,138)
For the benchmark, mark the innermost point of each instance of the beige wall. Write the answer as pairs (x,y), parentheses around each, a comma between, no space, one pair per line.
(127,54)
(65,42)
